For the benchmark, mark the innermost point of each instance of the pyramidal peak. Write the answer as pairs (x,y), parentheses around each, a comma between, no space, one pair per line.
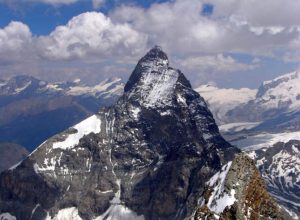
(155,56)
(153,82)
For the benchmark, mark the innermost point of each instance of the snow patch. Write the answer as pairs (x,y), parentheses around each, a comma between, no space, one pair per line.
(163,85)
(89,125)
(66,214)
(119,212)
(18,90)
(135,112)
(219,199)
(7,216)
(181,99)
(16,165)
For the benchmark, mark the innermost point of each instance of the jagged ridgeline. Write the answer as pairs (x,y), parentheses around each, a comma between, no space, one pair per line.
(150,156)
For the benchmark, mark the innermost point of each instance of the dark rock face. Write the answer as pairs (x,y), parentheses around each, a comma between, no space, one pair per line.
(240,186)
(10,154)
(146,157)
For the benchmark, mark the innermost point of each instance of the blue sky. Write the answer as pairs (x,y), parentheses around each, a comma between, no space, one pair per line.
(43,18)
(232,45)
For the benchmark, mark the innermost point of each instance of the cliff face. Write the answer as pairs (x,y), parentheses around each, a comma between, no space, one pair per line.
(238,192)
(10,154)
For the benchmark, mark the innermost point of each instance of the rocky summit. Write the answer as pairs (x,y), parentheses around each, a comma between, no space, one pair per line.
(149,156)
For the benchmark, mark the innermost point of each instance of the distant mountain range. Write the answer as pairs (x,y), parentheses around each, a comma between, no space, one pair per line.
(32,110)
(274,106)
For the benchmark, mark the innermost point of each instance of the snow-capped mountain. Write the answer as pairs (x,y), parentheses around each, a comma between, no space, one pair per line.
(28,85)
(221,100)
(149,156)
(276,105)
(28,105)
(273,107)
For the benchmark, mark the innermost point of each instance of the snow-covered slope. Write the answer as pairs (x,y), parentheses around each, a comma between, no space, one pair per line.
(222,100)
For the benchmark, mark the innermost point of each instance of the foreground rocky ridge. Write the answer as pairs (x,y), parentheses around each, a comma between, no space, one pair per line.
(147,157)
(238,192)
(279,164)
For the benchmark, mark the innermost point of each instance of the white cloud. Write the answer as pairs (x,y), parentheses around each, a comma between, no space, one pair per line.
(265,13)
(15,40)
(90,35)
(14,36)
(180,27)
(217,63)
(110,43)
(98,3)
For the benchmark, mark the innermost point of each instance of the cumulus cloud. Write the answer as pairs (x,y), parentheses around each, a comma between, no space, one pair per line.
(191,32)
(92,34)
(15,39)
(197,42)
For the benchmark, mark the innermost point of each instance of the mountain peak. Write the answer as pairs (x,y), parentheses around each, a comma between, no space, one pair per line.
(155,61)
(157,55)
(153,82)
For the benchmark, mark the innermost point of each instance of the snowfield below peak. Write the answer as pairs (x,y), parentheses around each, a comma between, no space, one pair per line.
(89,125)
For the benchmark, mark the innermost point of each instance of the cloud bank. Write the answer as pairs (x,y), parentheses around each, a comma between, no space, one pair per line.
(94,43)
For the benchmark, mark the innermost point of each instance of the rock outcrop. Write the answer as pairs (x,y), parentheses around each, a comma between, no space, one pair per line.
(238,192)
